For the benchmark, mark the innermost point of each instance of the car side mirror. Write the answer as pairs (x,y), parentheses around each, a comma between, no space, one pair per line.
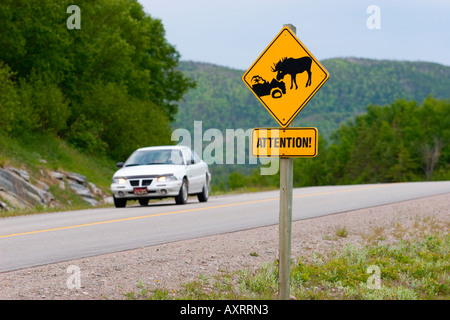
(192,161)
(119,164)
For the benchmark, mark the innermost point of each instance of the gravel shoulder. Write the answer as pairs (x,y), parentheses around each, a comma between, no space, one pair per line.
(167,266)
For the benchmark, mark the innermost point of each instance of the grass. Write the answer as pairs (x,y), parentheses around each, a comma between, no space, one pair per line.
(341,231)
(413,269)
(42,152)
(28,151)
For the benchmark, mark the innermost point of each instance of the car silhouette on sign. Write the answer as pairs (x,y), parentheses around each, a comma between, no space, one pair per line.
(275,88)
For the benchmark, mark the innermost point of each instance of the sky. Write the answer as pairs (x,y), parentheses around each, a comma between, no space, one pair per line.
(233,33)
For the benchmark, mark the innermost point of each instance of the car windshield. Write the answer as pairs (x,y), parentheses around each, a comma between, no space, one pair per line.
(155,157)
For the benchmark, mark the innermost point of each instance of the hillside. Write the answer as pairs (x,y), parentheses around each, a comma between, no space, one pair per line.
(221,100)
(41,172)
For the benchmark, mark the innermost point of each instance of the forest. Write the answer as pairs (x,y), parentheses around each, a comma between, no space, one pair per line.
(116,84)
(106,88)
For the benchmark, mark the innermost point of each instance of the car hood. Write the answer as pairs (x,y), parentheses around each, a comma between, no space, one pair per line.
(154,169)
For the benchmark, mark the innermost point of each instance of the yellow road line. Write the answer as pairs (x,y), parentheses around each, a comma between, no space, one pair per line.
(181,211)
(132,218)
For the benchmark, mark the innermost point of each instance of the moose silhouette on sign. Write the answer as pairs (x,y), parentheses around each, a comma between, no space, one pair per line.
(293,67)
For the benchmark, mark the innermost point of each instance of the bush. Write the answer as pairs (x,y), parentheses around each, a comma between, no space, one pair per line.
(9,100)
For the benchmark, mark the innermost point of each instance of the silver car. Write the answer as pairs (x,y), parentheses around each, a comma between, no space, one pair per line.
(161,172)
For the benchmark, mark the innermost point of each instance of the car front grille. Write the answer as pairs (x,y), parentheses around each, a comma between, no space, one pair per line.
(146,182)
(143,182)
(134,183)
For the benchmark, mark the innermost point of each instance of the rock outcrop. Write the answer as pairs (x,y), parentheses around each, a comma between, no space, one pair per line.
(78,184)
(18,191)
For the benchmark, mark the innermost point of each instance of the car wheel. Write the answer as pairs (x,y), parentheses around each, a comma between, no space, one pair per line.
(143,202)
(204,195)
(120,203)
(276,94)
(182,197)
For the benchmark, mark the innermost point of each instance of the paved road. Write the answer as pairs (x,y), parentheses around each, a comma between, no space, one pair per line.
(28,241)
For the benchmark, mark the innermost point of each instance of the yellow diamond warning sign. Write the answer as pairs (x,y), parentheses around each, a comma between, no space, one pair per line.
(285,77)
(284,142)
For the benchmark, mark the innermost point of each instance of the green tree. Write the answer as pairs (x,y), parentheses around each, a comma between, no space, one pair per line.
(48,108)
(9,100)
(113,81)
(433,140)
(236,180)
(398,142)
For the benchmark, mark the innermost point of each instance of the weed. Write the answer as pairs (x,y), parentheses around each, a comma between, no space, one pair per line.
(409,270)
(375,234)
(341,231)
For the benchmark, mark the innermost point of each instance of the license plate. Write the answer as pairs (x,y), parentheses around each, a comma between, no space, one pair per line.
(140,190)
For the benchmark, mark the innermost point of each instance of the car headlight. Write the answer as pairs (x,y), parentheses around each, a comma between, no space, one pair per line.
(166,178)
(119,180)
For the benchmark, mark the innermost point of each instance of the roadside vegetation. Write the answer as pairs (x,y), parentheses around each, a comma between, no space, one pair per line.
(42,152)
(416,266)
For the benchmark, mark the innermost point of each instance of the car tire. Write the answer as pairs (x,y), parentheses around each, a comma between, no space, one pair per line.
(120,203)
(204,195)
(276,93)
(143,202)
(182,196)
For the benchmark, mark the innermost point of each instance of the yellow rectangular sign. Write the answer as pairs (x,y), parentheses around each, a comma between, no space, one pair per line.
(284,142)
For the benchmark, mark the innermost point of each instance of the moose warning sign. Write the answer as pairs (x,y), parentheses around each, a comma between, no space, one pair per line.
(285,77)
(284,142)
